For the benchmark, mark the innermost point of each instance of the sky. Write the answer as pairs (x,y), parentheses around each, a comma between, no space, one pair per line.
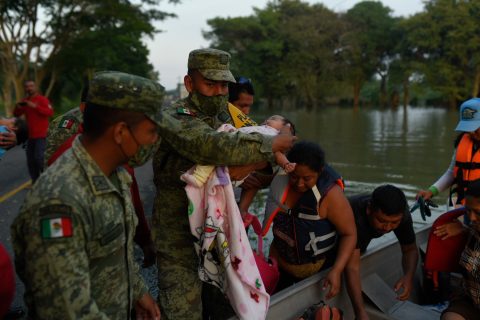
(169,49)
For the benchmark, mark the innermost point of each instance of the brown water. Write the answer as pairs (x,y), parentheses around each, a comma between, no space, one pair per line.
(409,148)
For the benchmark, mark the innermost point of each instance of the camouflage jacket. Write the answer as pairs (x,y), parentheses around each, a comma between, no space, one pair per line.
(73,242)
(189,137)
(60,129)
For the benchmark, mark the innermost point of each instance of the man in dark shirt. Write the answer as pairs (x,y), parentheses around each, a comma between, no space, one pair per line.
(385,210)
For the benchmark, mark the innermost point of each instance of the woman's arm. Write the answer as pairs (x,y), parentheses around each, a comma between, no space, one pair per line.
(337,210)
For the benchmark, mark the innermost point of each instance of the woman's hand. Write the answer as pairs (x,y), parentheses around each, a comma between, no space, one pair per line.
(425,194)
(333,280)
(448,230)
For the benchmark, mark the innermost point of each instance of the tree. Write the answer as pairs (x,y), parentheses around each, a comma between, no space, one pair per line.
(367,45)
(446,39)
(44,40)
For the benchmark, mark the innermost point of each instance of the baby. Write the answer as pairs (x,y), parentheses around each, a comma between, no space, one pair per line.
(271,127)
(12,131)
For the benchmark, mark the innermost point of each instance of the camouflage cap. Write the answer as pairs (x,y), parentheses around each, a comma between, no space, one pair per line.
(128,92)
(213,64)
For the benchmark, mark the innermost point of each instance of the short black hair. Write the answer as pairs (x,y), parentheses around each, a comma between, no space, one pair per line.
(21,130)
(97,119)
(307,153)
(389,199)
(292,126)
(473,189)
(243,85)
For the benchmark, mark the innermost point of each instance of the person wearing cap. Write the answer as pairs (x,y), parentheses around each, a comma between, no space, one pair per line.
(62,131)
(189,137)
(73,237)
(465,164)
(376,214)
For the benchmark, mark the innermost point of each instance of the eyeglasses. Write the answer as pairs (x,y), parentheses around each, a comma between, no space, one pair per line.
(243,80)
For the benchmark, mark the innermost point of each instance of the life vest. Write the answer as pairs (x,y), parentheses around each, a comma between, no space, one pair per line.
(467,165)
(300,234)
(239,118)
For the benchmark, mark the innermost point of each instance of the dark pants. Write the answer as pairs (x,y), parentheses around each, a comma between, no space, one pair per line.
(35,154)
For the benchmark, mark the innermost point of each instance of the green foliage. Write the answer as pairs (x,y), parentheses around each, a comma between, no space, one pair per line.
(55,41)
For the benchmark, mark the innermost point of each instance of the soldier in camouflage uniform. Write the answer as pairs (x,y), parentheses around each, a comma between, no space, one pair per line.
(189,137)
(73,238)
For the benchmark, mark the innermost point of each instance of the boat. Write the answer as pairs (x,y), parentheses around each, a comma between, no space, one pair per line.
(381,267)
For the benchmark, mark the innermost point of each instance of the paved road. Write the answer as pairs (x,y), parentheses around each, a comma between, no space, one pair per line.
(14,185)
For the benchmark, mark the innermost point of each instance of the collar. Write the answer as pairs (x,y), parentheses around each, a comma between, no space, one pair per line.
(99,183)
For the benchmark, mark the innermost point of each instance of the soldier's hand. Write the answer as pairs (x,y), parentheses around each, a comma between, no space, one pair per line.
(284,140)
(146,308)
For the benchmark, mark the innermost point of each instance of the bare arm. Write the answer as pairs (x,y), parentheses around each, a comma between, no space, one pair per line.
(338,211)
(409,264)
(354,285)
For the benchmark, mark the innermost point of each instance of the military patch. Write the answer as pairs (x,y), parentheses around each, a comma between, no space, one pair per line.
(59,227)
(468,113)
(187,111)
(100,183)
(66,123)
(56,209)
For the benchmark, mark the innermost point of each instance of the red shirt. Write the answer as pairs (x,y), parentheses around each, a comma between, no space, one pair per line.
(37,118)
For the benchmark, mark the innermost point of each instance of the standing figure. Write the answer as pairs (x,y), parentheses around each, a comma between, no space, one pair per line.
(37,110)
(73,237)
(189,137)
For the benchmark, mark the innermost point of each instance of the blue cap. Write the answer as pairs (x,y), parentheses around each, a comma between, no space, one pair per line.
(469,116)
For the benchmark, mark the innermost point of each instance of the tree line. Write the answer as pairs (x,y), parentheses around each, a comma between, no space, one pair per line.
(297,54)
(303,54)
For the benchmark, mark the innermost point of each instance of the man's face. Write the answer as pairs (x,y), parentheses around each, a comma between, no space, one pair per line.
(383,223)
(30,88)
(206,87)
(472,205)
(244,102)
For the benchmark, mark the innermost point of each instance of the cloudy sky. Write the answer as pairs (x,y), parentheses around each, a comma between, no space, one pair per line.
(169,49)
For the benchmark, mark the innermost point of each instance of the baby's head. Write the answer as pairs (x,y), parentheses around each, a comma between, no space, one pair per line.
(278,122)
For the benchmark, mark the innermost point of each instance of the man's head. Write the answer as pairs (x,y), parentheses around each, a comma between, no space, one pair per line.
(470,118)
(472,204)
(208,72)
(30,88)
(386,208)
(127,107)
(241,93)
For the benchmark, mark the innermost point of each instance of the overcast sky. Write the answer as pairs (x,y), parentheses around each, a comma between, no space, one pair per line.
(169,49)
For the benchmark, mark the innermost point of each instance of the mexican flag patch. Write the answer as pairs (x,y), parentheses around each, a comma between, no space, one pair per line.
(56,228)
(66,123)
(189,112)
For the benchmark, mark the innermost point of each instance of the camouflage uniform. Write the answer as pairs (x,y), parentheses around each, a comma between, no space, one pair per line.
(73,238)
(60,129)
(189,137)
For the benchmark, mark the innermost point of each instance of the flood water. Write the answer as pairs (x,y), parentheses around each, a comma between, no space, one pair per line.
(409,148)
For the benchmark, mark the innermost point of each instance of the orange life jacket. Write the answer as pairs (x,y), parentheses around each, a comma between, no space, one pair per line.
(467,165)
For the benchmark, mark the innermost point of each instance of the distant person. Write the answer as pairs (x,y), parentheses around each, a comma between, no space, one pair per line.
(465,163)
(241,93)
(465,302)
(37,109)
(376,214)
(313,225)
(73,237)
(13,131)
